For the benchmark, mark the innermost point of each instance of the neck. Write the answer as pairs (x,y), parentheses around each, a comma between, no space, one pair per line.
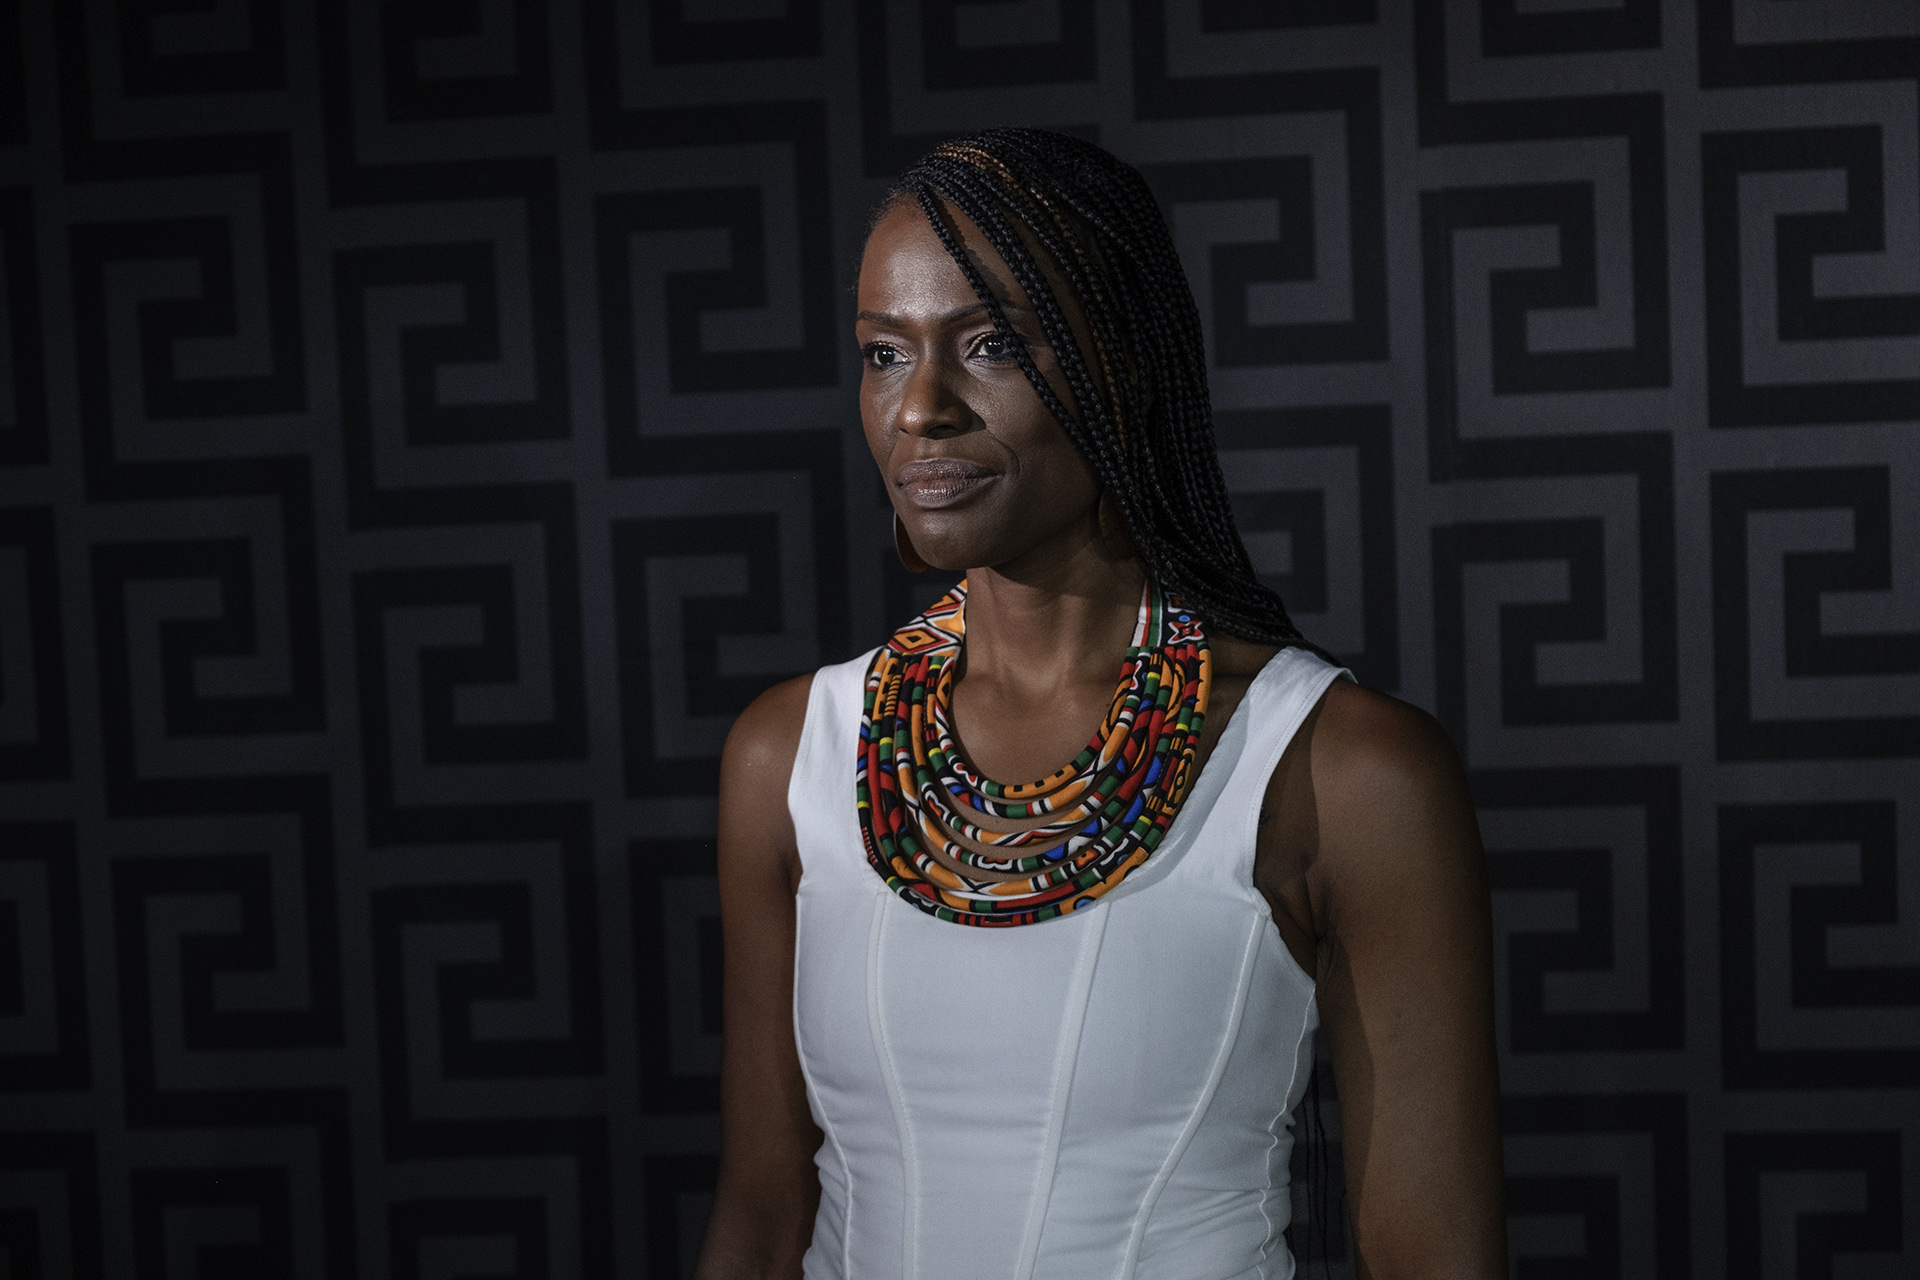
(1059,615)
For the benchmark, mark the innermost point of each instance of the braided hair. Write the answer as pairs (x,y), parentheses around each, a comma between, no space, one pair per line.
(1145,421)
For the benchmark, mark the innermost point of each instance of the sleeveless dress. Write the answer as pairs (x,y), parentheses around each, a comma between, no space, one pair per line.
(1105,1095)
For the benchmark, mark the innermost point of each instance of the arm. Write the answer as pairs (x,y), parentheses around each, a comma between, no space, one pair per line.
(1406,989)
(764,1205)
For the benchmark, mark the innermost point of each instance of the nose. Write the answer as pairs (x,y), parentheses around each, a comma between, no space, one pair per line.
(930,406)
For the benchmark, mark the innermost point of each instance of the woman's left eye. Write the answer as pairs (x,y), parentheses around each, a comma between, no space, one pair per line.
(993,346)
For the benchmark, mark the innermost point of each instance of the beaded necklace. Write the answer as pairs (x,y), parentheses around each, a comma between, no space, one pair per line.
(978,852)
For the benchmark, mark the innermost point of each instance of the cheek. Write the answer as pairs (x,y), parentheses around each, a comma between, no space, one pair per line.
(1050,458)
(1073,479)
(875,414)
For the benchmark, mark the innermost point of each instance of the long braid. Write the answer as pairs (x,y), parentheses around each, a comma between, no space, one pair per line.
(1142,415)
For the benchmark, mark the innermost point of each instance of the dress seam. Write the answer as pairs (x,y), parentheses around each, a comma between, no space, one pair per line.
(1273,1145)
(828,1128)
(1065,1064)
(1308,1013)
(846,1169)
(1201,1105)
(909,1152)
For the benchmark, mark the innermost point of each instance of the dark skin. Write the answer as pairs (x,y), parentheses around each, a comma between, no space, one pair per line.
(1368,851)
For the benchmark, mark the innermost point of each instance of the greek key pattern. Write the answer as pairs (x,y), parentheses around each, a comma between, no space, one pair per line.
(425,426)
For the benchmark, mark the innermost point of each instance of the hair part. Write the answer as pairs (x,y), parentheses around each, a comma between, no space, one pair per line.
(1145,420)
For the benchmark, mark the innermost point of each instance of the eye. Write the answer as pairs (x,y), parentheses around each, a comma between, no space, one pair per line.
(881,356)
(994,347)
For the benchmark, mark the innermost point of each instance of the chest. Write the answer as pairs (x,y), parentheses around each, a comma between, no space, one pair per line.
(1116,1020)
(1010,738)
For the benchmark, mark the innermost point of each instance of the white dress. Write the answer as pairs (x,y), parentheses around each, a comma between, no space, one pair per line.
(1107,1095)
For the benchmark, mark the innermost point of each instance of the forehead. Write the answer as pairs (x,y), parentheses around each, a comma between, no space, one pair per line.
(905,262)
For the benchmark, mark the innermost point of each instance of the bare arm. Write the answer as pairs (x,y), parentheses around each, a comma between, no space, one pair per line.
(763,1208)
(1406,991)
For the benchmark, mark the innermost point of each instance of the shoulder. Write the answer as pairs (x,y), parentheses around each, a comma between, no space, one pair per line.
(1369,744)
(757,844)
(767,734)
(1389,790)
(765,740)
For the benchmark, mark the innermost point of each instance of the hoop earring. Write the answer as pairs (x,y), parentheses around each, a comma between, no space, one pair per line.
(903,547)
(1112,523)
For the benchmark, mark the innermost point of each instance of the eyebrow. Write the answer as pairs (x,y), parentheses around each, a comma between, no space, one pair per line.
(958,313)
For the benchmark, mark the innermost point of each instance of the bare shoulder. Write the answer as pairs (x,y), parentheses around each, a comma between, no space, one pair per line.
(767,734)
(1371,740)
(1388,785)
(757,840)
(1367,814)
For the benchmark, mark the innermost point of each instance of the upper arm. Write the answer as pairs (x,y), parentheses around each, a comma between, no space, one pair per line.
(1405,988)
(763,1208)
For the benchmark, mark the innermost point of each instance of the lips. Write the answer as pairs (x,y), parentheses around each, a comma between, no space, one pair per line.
(942,482)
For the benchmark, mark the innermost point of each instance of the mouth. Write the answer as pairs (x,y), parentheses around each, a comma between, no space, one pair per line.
(942,482)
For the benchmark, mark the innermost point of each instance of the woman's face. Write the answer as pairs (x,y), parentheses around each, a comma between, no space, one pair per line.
(977,468)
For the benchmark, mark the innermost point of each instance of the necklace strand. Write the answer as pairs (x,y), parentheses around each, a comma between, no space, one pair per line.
(973,851)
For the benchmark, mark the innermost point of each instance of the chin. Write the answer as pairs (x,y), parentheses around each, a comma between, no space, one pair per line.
(946,555)
(951,541)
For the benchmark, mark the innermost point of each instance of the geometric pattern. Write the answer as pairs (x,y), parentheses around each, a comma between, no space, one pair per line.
(424,426)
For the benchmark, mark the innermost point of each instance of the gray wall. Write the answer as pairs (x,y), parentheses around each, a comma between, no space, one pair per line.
(424,425)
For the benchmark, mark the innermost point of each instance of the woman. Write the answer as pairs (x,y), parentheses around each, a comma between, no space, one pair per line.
(1097,1081)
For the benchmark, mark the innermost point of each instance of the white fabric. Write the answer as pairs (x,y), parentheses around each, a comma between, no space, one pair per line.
(1108,1094)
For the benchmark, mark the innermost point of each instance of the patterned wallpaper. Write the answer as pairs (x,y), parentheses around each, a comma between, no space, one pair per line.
(425,423)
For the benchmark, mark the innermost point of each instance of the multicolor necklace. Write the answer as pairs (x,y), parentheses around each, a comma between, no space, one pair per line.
(973,851)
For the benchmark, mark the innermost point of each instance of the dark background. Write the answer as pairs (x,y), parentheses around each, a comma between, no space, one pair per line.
(424,425)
